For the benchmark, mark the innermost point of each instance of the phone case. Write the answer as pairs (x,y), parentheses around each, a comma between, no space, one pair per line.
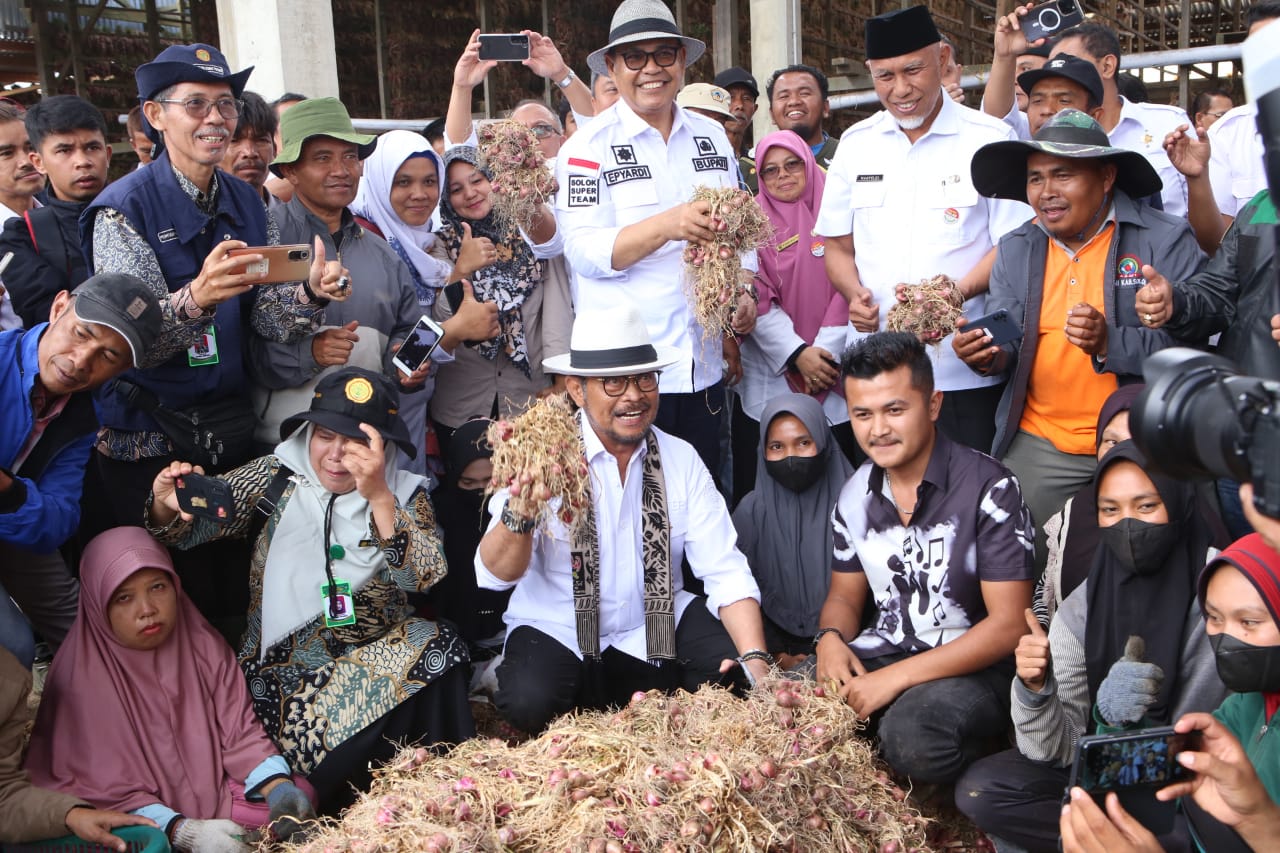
(1049,18)
(1144,758)
(504,47)
(998,324)
(206,497)
(279,263)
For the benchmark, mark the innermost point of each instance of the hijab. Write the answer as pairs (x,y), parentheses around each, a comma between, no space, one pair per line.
(793,273)
(1155,606)
(507,281)
(787,537)
(124,728)
(294,572)
(1082,525)
(373,201)
(464,518)
(1254,559)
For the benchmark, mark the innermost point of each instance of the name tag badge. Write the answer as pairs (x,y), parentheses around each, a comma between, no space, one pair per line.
(205,350)
(339,610)
(868,179)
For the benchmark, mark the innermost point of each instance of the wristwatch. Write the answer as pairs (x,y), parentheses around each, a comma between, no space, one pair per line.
(568,78)
(515,523)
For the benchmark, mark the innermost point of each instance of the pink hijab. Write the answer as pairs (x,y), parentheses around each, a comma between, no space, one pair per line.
(795,277)
(124,728)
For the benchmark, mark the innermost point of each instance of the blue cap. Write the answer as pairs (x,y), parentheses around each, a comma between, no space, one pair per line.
(185,63)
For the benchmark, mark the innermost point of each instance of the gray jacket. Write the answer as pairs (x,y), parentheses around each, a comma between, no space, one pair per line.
(1143,236)
(1049,724)
(383,301)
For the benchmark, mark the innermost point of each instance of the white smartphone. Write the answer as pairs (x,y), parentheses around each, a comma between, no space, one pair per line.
(417,348)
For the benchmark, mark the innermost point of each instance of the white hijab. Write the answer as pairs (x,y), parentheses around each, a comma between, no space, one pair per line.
(373,201)
(294,571)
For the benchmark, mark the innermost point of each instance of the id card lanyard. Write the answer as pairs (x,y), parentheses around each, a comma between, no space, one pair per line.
(337,603)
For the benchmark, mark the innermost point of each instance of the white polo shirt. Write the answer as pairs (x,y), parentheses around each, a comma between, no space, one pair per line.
(615,172)
(1142,128)
(1235,166)
(914,213)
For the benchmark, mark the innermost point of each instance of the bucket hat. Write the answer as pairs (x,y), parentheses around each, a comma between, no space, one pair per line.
(317,117)
(999,169)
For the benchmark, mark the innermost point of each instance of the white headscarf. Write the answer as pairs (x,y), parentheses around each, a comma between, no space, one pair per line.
(373,202)
(294,571)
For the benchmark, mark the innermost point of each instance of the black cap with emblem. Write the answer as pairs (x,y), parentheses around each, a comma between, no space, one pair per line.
(349,397)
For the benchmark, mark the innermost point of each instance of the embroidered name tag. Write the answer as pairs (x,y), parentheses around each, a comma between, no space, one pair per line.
(867,179)
(711,164)
(584,191)
(166,235)
(621,176)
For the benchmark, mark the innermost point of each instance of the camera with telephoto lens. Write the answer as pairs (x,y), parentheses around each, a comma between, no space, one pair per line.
(1199,417)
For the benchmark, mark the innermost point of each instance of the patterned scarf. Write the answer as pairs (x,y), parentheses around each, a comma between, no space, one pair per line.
(507,281)
(659,600)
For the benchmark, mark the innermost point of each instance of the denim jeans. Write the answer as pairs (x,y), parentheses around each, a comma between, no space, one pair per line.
(15,631)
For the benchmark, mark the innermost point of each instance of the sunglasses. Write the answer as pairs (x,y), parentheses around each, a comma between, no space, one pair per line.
(663,57)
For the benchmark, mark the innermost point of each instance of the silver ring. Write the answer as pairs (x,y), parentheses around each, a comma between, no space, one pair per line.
(1146,318)
(344,284)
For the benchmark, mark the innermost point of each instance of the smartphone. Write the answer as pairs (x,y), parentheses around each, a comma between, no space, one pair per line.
(998,325)
(206,497)
(1137,759)
(1052,17)
(504,47)
(417,348)
(279,263)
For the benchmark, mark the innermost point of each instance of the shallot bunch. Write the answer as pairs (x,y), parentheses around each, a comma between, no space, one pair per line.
(520,178)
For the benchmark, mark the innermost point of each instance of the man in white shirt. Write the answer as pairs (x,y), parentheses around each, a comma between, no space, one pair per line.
(19,183)
(900,206)
(625,183)
(599,609)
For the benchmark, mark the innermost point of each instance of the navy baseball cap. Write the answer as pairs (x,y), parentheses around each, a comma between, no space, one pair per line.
(349,397)
(736,76)
(1079,71)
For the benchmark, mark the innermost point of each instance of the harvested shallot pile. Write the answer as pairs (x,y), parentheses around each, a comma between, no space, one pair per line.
(929,310)
(538,457)
(779,771)
(520,178)
(712,271)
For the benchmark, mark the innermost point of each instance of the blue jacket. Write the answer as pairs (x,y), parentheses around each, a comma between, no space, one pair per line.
(1143,236)
(42,508)
(182,237)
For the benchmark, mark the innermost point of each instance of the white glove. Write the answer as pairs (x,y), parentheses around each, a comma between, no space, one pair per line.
(209,836)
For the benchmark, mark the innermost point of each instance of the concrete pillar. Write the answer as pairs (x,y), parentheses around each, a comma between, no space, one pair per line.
(289,42)
(724,35)
(775,43)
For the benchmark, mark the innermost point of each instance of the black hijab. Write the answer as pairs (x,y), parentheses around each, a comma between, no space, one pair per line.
(787,536)
(1154,606)
(1082,523)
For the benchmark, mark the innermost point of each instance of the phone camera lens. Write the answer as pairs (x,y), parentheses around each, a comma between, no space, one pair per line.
(1050,20)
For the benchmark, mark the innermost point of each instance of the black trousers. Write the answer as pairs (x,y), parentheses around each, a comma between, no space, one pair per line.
(437,716)
(539,678)
(969,417)
(695,417)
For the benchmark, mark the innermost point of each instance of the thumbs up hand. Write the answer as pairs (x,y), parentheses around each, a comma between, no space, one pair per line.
(1032,655)
(1131,687)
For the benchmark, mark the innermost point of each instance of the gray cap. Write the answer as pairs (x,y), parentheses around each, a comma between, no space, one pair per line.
(124,304)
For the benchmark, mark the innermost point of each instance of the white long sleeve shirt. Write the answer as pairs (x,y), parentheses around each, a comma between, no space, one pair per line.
(615,172)
(701,530)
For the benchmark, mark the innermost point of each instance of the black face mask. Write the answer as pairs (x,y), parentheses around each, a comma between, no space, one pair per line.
(1245,668)
(1140,545)
(470,500)
(796,473)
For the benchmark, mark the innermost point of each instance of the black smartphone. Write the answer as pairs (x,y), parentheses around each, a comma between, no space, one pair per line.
(1050,18)
(417,348)
(504,47)
(998,325)
(206,497)
(1146,758)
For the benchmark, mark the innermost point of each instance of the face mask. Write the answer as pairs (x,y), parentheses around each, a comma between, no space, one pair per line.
(1140,545)
(1245,668)
(796,473)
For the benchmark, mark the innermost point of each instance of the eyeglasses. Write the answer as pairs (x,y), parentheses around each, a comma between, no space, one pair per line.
(542,131)
(616,386)
(228,108)
(793,166)
(663,57)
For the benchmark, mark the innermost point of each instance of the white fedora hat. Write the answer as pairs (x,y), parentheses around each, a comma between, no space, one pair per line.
(642,20)
(611,343)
